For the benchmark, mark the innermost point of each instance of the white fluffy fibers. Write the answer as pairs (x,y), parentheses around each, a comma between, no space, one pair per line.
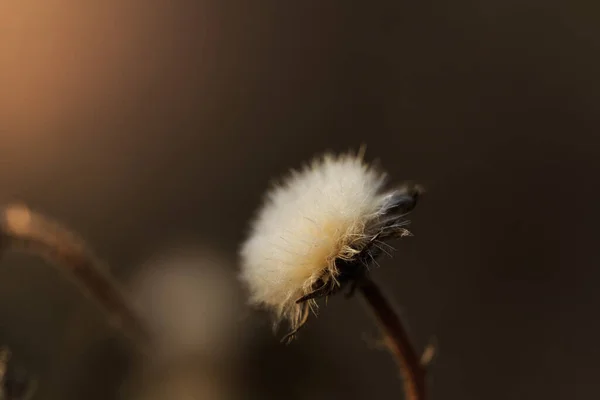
(317,215)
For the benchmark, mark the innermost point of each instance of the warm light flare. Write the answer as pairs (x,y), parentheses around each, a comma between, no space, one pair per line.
(59,57)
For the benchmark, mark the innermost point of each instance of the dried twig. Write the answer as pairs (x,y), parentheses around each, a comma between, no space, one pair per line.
(14,385)
(4,357)
(23,229)
(397,340)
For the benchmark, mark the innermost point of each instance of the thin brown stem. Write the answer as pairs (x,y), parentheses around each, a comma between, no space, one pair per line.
(13,387)
(4,357)
(23,229)
(397,340)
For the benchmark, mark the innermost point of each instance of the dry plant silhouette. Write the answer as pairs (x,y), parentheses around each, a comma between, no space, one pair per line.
(190,312)
(25,230)
(15,383)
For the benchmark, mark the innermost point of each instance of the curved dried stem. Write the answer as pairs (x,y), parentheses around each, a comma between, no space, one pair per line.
(25,230)
(397,340)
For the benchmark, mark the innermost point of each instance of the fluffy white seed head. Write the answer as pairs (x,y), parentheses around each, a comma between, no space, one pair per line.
(319,214)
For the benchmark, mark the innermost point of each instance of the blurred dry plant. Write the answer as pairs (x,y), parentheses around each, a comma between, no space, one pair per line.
(25,230)
(182,323)
(22,229)
(191,302)
(15,384)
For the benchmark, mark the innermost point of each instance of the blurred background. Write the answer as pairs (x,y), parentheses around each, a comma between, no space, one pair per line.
(153,128)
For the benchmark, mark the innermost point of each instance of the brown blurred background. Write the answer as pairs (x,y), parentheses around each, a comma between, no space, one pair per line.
(142,122)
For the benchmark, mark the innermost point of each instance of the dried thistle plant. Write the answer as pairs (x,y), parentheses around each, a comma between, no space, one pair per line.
(319,231)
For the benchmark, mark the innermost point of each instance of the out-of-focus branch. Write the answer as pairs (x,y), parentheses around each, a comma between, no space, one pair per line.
(22,229)
(397,340)
(14,385)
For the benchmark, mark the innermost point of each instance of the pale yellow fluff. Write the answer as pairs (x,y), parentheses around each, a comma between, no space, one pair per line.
(315,216)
